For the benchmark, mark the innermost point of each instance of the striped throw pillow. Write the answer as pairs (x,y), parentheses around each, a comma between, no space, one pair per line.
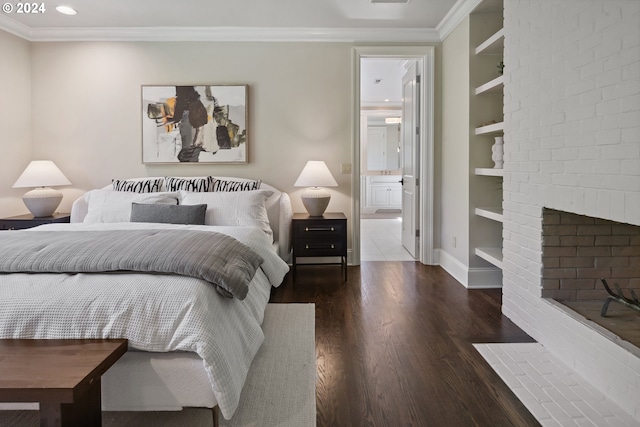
(225,185)
(138,186)
(196,185)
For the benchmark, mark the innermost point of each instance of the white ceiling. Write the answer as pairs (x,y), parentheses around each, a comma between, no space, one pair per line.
(240,20)
(239,13)
(381,82)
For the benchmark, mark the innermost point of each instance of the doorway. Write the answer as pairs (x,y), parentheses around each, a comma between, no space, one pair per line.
(381,189)
(378,190)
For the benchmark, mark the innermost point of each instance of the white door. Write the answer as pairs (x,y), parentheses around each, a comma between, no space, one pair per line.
(410,155)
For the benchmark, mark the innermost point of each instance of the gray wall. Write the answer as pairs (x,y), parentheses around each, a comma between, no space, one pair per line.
(455,144)
(87,108)
(15,110)
(84,111)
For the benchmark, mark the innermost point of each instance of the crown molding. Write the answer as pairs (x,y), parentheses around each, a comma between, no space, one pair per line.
(222,34)
(460,10)
(14,27)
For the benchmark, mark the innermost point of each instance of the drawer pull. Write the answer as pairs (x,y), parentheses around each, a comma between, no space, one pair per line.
(320,246)
(319,229)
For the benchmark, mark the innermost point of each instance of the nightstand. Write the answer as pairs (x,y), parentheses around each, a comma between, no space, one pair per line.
(320,236)
(27,221)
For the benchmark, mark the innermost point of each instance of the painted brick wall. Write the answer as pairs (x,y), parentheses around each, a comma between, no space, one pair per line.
(572,143)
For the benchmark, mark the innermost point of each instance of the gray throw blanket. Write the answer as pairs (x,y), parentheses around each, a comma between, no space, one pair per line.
(214,257)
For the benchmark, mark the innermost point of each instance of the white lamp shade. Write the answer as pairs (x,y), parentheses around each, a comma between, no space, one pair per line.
(40,201)
(315,174)
(41,173)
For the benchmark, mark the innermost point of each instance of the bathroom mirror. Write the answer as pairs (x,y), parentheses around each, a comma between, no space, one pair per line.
(381,144)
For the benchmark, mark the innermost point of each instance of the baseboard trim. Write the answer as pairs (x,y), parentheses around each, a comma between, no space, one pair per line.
(451,265)
(485,278)
(470,278)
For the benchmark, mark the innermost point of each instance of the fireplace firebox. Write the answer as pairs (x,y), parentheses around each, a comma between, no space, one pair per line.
(577,253)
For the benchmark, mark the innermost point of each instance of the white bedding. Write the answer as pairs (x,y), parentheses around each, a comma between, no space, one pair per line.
(154,312)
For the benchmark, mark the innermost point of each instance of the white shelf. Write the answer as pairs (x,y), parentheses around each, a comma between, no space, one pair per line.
(492,255)
(489,172)
(494,45)
(492,129)
(485,104)
(491,213)
(494,86)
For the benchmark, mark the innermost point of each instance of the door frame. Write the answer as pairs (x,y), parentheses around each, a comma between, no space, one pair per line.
(426,54)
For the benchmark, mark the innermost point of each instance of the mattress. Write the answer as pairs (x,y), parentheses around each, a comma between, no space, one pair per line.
(186,314)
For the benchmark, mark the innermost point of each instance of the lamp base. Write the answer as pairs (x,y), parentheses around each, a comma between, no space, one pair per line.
(315,200)
(42,202)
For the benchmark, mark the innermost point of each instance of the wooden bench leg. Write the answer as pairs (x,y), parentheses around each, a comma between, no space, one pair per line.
(216,416)
(50,414)
(86,411)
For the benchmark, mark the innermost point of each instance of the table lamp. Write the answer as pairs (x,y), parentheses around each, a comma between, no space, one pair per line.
(315,175)
(42,201)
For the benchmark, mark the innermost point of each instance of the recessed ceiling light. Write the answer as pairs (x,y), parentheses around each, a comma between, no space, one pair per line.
(389,1)
(66,10)
(386,100)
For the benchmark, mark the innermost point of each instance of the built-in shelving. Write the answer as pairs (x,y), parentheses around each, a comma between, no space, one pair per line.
(489,172)
(494,45)
(486,119)
(492,129)
(492,255)
(491,213)
(494,86)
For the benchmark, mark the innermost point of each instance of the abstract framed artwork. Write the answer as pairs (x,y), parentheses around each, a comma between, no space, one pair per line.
(195,124)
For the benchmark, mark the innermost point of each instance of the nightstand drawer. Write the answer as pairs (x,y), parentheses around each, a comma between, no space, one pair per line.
(319,247)
(319,229)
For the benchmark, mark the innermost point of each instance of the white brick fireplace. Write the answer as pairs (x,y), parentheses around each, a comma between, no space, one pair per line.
(572,144)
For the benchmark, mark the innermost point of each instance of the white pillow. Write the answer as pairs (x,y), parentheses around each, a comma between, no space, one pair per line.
(232,208)
(115,206)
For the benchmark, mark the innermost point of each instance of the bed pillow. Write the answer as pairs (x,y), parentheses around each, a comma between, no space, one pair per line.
(233,208)
(115,206)
(230,185)
(168,214)
(150,185)
(200,184)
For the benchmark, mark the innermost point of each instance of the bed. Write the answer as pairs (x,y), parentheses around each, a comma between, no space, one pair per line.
(190,343)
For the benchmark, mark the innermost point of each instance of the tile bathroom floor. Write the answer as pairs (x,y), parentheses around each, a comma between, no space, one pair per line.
(380,240)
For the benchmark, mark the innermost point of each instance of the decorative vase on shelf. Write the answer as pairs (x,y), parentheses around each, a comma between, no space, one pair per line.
(497,153)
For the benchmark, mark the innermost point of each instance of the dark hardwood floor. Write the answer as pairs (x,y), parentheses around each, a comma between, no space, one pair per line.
(394,347)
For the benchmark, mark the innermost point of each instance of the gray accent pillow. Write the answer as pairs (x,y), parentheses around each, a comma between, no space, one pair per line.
(168,214)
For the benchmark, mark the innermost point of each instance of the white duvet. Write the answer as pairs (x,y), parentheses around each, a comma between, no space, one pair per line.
(155,312)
